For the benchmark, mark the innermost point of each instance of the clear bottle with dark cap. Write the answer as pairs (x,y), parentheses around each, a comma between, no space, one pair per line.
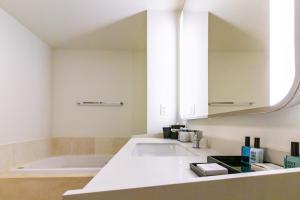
(246,151)
(293,160)
(256,153)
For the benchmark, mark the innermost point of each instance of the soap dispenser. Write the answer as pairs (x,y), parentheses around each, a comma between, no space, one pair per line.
(256,153)
(293,160)
(246,151)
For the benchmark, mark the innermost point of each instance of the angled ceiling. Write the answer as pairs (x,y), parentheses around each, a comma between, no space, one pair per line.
(121,24)
(105,24)
(235,24)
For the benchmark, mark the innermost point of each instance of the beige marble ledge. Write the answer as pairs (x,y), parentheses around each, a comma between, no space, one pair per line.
(73,146)
(10,174)
(31,151)
(13,155)
(7,157)
(35,188)
(16,154)
(83,146)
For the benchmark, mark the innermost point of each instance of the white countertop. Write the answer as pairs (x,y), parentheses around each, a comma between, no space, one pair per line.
(126,170)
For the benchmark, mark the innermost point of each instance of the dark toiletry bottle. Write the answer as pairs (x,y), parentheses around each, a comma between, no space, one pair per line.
(256,153)
(167,132)
(293,160)
(174,130)
(246,151)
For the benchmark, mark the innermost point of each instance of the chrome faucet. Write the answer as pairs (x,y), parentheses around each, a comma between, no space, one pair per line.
(196,137)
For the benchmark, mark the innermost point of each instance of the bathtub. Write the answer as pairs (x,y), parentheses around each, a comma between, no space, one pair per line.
(66,164)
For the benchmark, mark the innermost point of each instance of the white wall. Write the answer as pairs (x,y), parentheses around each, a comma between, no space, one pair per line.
(276,129)
(94,75)
(24,83)
(239,76)
(162,42)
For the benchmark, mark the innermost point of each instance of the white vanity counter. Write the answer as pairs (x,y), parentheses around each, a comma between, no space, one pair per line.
(151,162)
(131,169)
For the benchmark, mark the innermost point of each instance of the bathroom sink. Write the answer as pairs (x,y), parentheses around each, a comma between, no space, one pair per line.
(160,149)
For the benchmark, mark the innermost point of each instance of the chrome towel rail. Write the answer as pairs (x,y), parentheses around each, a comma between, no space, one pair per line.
(230,103)
(99,103)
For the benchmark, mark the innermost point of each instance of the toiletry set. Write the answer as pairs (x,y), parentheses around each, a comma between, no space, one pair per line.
(255,156)
(252,154)
(183,134)
(251,160)
(171,132)
(246,151)
(256,153)
(167,132)
(293,160)
(175,130)
(196,138)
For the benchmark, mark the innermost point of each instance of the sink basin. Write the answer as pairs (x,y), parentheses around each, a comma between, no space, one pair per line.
(160,149)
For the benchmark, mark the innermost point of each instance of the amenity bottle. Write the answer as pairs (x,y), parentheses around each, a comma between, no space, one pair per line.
(256,153)
(293,160)
(246,151)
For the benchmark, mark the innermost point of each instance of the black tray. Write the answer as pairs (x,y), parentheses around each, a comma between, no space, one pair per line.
(232,163)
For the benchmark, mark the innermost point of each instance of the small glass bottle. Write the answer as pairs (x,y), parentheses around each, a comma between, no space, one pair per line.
(256,153)
(246,151)
(293,160)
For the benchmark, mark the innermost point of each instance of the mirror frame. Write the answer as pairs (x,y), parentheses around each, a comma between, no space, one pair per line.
(293,96)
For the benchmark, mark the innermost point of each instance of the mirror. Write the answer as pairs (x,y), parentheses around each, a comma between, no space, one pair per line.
(249,56)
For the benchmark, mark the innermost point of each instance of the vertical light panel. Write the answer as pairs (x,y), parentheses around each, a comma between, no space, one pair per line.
(282,49)
(194,65)
(161,69)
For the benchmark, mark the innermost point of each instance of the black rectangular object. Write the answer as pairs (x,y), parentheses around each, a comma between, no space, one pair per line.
(232,163)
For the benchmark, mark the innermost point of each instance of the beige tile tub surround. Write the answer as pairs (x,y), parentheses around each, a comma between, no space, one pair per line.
(13,155)
(73,146)
(77,146)
(39,188)
(7,158)
(109,145)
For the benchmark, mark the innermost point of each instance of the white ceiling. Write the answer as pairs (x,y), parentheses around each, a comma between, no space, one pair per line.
(235,24)
(121,24)
(116,24)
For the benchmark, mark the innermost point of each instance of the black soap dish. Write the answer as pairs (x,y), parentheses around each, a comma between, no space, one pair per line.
(232,163)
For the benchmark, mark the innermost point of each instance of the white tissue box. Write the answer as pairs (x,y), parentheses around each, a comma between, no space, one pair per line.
(212,169)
